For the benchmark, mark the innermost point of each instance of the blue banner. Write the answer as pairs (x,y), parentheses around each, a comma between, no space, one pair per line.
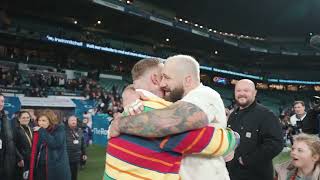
(11,106)
(100,124)
(82,106)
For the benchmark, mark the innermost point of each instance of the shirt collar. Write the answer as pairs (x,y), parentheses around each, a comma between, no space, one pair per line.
(148,93)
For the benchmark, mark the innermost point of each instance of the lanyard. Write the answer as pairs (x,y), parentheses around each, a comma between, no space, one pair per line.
(74,135)
(28,137)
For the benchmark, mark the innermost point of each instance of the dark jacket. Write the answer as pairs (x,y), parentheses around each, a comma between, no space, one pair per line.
(23,140)
(22,143)
(8,151)
(311,123)
(261,140)
(75,150)
(57,161)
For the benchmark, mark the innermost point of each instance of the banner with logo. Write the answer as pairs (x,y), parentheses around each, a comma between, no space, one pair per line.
(11,106)
(100,124)
(82,106)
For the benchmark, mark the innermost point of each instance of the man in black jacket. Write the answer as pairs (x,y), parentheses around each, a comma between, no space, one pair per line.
(7,147)
(261,136)
(75,146)
(311,123)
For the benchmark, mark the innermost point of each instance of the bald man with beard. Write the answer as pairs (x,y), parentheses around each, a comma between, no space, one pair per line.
(261,136)
(195,106)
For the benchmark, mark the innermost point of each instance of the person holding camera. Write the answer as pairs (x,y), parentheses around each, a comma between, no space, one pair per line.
(311,124)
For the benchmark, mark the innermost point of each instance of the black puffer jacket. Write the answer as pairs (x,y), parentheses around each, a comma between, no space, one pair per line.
(75,144)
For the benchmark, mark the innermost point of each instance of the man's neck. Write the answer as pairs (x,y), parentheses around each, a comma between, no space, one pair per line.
(144,85)
(299,116)
(73,127)
(192,87)
(245,107)
(147,92)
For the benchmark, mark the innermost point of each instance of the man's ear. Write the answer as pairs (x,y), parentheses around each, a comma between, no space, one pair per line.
(316,158)
(188,81)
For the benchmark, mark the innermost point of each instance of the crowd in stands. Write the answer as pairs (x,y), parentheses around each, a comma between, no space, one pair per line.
(41,83)
(9,76)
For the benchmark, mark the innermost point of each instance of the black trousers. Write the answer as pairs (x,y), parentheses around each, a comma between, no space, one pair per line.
(74,166)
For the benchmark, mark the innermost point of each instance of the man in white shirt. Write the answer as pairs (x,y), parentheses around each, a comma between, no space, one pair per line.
(299,114)
(196,106)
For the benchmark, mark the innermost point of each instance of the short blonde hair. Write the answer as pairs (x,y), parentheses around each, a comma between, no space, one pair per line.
(142,66)
(312,141)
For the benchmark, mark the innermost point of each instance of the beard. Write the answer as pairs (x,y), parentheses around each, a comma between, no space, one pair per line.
(175,94)
(243,104)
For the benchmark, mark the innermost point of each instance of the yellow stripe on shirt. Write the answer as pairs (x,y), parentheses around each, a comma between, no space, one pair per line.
(218,144)
(132,172)
(156,103)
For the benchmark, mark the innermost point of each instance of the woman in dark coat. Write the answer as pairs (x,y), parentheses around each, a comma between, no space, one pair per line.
(49,159)
(23,141)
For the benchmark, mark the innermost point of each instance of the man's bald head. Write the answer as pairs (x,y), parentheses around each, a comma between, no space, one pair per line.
(245,93)
(184,65)
(246,82)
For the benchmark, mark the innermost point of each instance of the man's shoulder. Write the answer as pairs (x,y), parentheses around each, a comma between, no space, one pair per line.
(263,108)
(204,96)
(262,111)
(203,91)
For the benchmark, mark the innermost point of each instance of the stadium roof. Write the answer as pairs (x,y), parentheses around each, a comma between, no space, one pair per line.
(248,17)
(286,18)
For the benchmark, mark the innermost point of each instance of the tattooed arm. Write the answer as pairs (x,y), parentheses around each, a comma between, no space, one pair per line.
(179,117)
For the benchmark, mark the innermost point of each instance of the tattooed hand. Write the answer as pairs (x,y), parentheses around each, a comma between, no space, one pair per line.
(132,101)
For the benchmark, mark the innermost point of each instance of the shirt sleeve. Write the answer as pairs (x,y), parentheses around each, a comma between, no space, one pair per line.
(210,102)
(207,141)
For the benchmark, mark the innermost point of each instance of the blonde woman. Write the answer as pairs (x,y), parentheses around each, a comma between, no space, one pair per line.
(305,160)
